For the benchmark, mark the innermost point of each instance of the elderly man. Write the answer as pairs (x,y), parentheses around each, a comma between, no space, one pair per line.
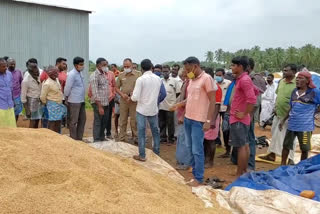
(52,96)
(146,93)
(100,99)
(16,84)
(124,87)
(30,95)
(200,106)
(303,105)
(74,93)
(7,118)
(282,107)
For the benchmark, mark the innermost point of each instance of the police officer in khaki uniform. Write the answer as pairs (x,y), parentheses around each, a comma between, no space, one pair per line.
(125,85)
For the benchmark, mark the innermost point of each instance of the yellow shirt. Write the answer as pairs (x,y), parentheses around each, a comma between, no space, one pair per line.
(51,90)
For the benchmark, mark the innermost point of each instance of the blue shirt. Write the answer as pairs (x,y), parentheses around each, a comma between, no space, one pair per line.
(303,108)
(75,89)
(6,87)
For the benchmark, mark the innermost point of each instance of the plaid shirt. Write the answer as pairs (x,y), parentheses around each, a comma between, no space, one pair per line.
(100,88)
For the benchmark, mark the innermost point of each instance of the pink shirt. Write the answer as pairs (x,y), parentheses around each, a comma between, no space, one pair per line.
(112,85)
(245,93)
(197,101)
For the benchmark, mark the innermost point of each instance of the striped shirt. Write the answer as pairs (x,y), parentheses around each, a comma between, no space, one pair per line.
(303,108)
(100,88)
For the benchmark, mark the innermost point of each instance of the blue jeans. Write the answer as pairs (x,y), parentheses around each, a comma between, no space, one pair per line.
(141,124)
(194,139)
(183,155)
(252,147)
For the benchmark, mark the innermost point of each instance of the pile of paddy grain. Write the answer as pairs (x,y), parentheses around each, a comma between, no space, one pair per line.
(43,172)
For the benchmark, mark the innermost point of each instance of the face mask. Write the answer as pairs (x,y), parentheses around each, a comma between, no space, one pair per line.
(191,74)
(158,73)
(127,70)
(105,69)
(218,78)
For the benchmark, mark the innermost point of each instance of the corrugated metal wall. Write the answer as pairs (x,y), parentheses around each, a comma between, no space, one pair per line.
(42,32)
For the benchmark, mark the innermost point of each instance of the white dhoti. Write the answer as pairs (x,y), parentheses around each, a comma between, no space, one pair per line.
(278,138)
(267,107)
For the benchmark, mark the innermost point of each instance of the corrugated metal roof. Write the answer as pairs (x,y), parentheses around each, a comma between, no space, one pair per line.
(51,5)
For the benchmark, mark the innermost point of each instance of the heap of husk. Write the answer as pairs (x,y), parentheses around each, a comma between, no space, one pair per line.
(43,172)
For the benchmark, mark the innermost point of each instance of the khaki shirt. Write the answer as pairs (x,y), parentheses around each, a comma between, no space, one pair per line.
(127,81)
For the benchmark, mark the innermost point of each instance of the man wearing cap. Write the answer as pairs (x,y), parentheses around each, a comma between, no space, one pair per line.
(303,105)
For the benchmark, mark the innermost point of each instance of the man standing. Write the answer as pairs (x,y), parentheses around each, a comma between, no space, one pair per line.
(200,106)
(145,93)
(284,91)
(100,99)
(125,85)
(74,97)
(115,70)
(16,84)
(224,84)
(166,117)
(61,65)
(268,99)
(7,118)
(242,106)
(303,105)
(52,96)
(30,95)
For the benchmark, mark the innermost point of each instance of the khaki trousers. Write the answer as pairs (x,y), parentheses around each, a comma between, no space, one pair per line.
(126,110)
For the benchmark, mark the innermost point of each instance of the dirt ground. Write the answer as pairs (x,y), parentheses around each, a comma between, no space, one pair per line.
(223,168)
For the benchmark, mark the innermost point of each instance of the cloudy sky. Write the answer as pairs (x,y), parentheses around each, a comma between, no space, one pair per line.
(167,30)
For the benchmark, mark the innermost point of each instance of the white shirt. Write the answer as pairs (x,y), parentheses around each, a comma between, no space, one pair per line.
(146,93)
(179,81)
(172,88)
(224,86)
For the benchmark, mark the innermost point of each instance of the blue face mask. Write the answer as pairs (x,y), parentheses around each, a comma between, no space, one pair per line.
(158,73)
(218,78)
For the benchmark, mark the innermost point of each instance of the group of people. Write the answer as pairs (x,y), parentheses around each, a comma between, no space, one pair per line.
(190,106)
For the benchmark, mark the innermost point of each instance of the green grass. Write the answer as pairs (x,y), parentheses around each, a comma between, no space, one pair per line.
(88,104)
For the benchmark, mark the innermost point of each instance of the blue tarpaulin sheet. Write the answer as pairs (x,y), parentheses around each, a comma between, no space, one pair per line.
(316,80)
(292,179)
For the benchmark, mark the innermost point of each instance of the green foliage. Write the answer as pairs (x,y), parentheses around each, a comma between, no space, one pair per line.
(92,67)
(88,103)
(270,59)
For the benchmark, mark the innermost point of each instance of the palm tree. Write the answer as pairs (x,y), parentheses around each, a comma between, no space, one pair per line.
(209,56)
(292,54)
(307,55)
(219,55)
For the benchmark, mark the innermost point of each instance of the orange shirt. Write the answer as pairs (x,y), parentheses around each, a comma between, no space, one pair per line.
(197,101)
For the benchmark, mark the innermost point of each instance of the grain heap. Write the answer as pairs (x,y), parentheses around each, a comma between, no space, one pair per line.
(43,172)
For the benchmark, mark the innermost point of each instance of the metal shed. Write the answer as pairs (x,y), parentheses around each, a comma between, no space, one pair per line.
(44,32)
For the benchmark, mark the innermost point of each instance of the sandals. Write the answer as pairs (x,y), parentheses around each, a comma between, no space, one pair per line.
(215,182)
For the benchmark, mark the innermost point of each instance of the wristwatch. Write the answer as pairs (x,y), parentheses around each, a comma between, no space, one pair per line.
(208,121)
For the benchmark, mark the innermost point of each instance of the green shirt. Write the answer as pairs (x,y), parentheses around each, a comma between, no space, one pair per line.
(284,92)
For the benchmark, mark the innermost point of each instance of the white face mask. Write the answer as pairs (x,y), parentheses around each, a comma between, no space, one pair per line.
(105,69)
(127,70)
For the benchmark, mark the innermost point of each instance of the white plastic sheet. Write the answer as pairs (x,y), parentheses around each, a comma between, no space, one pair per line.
(242,200)
(154,162)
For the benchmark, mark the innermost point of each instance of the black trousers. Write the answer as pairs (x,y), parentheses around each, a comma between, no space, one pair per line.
(109,119)
(99,122)
(77,113)
(166,122)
